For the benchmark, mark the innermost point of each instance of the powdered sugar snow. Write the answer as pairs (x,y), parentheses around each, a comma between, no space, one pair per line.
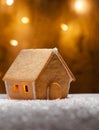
(77,112)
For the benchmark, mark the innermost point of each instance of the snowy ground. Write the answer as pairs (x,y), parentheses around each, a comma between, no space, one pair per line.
(77,112)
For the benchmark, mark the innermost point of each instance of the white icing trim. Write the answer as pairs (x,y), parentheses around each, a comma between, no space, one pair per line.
(34,91)
(48,93)
(6,85)
(69,85)
(56,52)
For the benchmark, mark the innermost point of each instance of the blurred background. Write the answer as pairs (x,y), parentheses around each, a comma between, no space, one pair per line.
(70,25)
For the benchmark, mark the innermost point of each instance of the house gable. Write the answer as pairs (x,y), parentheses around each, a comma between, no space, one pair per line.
(54,71)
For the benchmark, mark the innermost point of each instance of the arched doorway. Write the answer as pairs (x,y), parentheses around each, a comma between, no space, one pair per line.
(55,91)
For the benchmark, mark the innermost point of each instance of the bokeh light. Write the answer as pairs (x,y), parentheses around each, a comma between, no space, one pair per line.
(25,20)
(64,27)
(9,2)
(81,6)
(13,42)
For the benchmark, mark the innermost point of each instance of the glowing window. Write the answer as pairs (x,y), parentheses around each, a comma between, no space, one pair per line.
(16,88)
(25,88)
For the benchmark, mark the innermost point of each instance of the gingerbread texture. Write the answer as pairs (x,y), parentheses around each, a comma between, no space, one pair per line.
(38,74)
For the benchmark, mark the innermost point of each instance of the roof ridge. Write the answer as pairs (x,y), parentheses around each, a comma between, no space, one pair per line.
(28,61)
(37,49)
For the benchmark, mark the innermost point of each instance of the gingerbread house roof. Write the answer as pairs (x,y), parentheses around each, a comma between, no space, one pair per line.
(30,62)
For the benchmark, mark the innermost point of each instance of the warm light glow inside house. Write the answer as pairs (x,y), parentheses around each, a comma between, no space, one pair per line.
(9,2)
(25,88)
(64,27)
(13,42)
(25,20)
(16,88)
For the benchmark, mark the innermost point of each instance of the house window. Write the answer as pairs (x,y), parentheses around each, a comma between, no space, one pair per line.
(16,88)
(25,88)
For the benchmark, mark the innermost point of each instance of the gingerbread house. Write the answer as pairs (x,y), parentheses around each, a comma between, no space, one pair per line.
(38,74)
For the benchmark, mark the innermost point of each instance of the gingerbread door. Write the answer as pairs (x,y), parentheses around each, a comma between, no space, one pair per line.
(55,91)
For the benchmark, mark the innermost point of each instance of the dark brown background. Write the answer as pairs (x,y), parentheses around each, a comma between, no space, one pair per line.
(79,46)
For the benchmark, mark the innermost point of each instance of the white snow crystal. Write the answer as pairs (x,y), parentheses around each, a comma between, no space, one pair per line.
(77,112)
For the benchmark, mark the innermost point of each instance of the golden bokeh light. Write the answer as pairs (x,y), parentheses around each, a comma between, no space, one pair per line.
(13,42)
(9,2)
(25,20)
(64,27)
(81,6)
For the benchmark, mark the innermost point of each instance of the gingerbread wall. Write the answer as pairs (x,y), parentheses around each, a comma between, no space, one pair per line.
(20,94)
(53,72)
